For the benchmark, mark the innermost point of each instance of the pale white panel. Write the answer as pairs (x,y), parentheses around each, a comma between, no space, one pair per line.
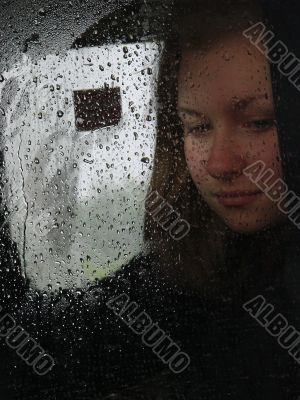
(76,192)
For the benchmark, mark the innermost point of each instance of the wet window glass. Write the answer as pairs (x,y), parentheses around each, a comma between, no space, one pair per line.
(150,200)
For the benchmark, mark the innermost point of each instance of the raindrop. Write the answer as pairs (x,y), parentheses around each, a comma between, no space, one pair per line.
(42,12)
(226,56)
(145,160)
(1,78)
(79,121)
(60,113)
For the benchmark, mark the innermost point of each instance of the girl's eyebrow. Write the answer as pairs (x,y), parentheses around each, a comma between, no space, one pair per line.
(189,111)
(241,104)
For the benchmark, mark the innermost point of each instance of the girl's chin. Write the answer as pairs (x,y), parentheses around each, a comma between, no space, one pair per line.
(246,220)
(250,226)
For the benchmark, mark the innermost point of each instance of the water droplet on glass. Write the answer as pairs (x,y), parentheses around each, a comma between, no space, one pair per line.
(42,12)
(226,56)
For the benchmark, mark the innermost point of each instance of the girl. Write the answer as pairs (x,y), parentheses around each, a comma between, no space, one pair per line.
(217,117)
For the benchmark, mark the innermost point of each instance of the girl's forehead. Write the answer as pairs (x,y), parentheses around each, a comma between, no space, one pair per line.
(227,48)
(232,59)
(223,78)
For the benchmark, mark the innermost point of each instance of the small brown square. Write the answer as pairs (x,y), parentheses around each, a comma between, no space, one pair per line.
(97,108)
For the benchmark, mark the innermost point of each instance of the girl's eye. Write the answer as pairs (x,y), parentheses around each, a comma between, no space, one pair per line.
(199,129)
(261,125)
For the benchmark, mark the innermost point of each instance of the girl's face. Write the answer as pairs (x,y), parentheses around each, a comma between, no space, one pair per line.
(226,107)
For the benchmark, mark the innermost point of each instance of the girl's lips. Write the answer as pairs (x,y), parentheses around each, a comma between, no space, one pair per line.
(236,199)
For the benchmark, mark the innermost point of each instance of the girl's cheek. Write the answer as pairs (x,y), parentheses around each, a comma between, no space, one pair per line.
(195,150)
(266,150)
(196,158)
(198,171)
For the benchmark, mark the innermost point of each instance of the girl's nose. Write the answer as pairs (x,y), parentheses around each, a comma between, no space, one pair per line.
(225,159)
